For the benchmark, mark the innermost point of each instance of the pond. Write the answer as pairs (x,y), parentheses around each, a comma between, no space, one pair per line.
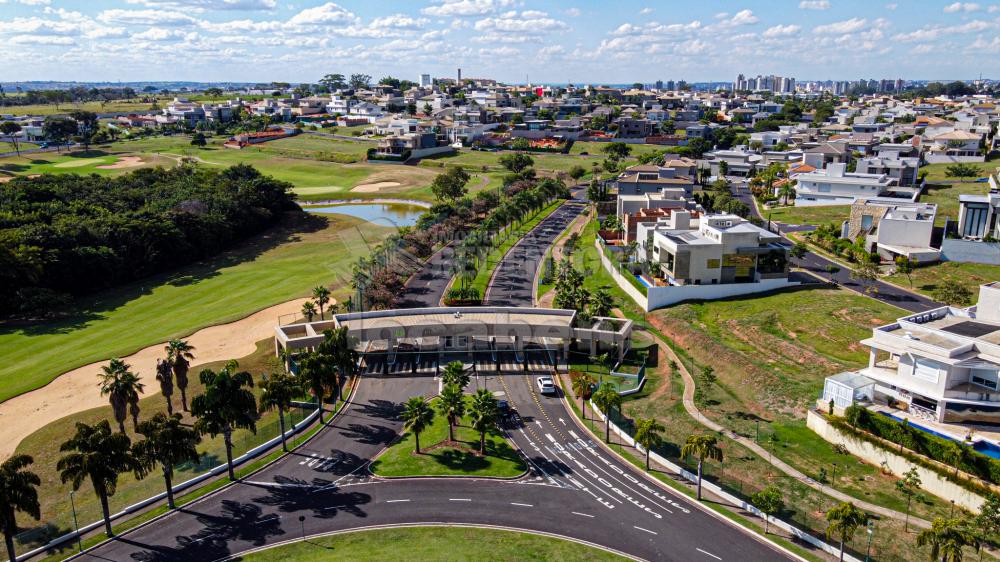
(384,214)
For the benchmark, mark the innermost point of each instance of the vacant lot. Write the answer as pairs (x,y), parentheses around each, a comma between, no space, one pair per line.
(835,214)
(280,265)
(945,195)
(970,275)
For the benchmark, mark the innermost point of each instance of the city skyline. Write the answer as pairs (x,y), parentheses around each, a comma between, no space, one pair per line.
(508,40)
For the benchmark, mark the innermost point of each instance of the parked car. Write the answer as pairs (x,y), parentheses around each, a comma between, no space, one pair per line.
(545,385)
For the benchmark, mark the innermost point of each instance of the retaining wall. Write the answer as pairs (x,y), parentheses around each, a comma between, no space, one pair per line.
(970,251)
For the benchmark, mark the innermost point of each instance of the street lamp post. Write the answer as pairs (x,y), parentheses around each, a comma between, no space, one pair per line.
(76,525)
(871,532)
(833,481)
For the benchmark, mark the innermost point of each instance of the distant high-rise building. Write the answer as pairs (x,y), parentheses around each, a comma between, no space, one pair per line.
(425,81)
(670,85)
(659,84)
(459,76)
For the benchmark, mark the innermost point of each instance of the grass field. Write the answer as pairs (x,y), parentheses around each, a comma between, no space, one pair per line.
(94,161)
(65,108)
(282,264)
(6,146)
(43,446)
(939,171)
(945,195)
(970,275)
(595,149)
(446,460)
(835,214)
(433,543)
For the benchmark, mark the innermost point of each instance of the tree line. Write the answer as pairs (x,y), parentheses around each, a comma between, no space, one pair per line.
(63,236)
(75,94)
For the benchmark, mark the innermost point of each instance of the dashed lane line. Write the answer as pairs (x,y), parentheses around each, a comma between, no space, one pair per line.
(582,514)
(708,553)
(521,504)
(645,530)
(396,501)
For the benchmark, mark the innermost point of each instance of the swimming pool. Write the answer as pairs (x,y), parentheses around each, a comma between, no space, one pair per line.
(643,280)
(985,447)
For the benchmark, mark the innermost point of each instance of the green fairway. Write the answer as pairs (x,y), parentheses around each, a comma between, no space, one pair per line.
(282,264)
(447,460)
(456,544)
(99,161)
(817,215)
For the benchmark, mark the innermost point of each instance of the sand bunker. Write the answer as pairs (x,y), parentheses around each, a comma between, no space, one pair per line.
(76,390)
(373,187)
(79,163)
(123,162)
(5,179)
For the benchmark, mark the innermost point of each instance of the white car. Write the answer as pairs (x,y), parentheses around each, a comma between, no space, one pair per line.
(545,385)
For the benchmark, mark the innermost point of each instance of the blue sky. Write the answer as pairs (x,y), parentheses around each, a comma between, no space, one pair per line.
(580,41)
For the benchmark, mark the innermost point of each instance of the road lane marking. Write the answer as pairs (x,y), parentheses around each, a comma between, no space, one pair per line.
(396,501)
(582,514)
(460,499)
(708,553)
(522,504)
(646,530)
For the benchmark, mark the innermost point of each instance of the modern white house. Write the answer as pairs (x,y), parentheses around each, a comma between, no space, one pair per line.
(892,229)
(941,365)
(834,185)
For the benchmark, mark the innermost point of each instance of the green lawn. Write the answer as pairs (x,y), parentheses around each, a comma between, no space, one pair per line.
(23,145)
(43,446)
(94,161)
(282,264)
(835,214)
(939,171)
(65,108)
(432,543)
(927,278)
(945,195)
(400,459)
(493,259)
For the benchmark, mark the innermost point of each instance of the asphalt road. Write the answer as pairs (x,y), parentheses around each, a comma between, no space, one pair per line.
(425,288)
(820,266)
(512,285)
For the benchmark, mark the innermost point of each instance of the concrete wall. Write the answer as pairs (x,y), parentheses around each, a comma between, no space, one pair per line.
(930,481)
(945,159)
(629,289)
(971,251)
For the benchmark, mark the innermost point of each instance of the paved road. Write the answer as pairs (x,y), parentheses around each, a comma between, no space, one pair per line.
(820,266)
(426,287)
(513,283)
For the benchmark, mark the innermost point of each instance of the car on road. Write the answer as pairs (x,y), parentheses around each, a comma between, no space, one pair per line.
(545,385)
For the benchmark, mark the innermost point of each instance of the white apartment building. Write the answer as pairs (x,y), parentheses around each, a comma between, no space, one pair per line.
(834,185)
(941,365)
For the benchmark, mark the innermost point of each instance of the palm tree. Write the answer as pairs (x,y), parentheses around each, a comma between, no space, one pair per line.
(606,399)
(647,434)
(98,454)
(484,412)
(451,404)
(226,405)
(279,389)
(601,303)
(583,386)
(122,387)
(179,355)
(165,376)
(843,521)
(703,447)
(454,375)
(947,538)
(318,374)
(308,310)
(167,443)
(17,493)
(417,415)
(322,296)
(339,347)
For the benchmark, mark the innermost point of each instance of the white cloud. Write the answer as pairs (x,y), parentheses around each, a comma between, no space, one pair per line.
(161,34)
(325,14)
(993,8)
(41,40)
(203,5)
(400,21)
(645,11)
(551,50)
(891,7)
(146,17)
(847,26)
(814,5)
(572,12)
(465,8)
(930,33)
(530,22)
(923,49)
(961,7)
(983,46)
(35,2)
(503,51)
(781,30)
(743,17)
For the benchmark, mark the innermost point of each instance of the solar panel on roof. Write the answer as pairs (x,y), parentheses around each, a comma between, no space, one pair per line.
(971,329)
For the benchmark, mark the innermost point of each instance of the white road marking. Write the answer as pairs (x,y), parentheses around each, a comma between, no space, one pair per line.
(396,501)
(562,421)
(581,514)
(522,504)
(708,553)
(646,530)
(460,499)
(573,435)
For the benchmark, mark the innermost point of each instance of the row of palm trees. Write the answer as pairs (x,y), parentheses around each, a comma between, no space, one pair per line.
(451,403)
(321,296)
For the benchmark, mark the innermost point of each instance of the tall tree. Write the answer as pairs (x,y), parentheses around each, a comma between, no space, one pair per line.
(450,185)
(10,129)
(360,81)
(601,302)
(607,398)
(17,493)
(843,521)
(179,354)
(484,412)
(122,387)
(417,415)
(58,129)
(279,390)
(86,125)
(648,433)
(338,347)
(455,374)
(319,374)
(309,310)
(167,443)
(451,404)
(165,376)
(334,82)
(97,454)
(583,386)
(702,447)
(322,296)
(227,405)
(947,538)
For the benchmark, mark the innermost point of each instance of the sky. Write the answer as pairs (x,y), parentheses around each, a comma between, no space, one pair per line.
(578,41)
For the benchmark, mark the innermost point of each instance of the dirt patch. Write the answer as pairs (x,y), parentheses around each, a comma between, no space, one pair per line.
(449,445)
(374,187)
(123,162)
(76,390)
